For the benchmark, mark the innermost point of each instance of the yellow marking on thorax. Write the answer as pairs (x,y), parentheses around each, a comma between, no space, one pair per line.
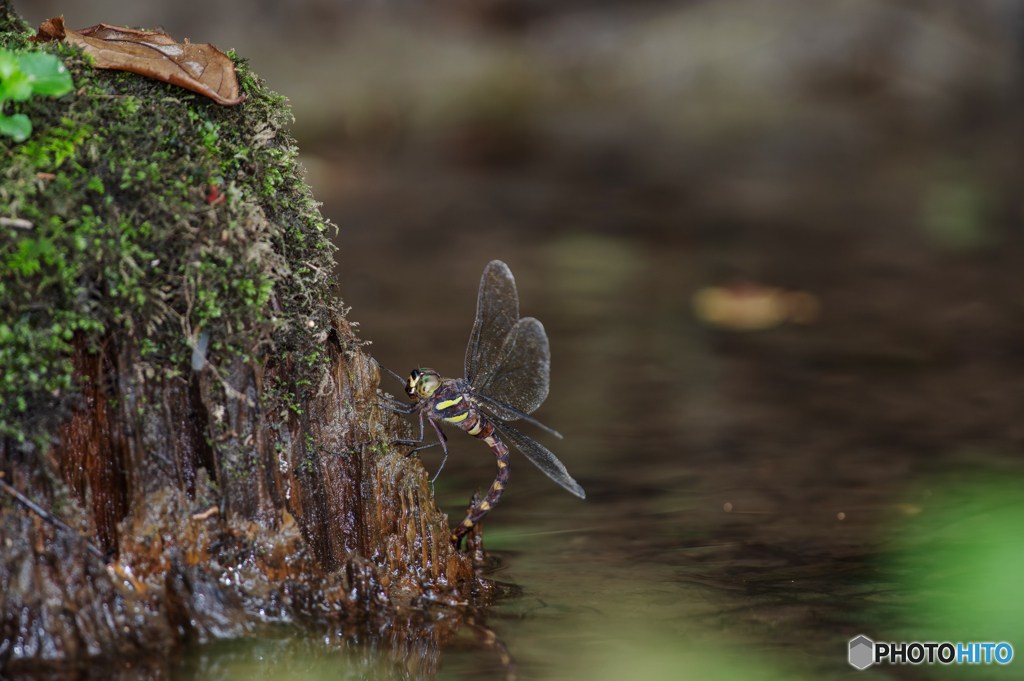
(475,430)
(458,419)
(441,406)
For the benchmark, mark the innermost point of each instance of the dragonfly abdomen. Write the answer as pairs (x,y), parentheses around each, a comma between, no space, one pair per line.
(475,424)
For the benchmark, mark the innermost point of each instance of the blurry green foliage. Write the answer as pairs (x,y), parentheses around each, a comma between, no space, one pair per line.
(959,566)
(955,213)
(22,76)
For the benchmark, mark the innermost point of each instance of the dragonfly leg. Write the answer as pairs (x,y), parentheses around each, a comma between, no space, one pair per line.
(391,404)
(493,495)
(443,441)
(374,360)
(411,441)
(404,409)
(401,441)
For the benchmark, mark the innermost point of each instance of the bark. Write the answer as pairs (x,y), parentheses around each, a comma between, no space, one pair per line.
(293,518)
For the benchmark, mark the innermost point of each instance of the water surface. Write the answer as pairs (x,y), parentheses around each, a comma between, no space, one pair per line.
(746,492)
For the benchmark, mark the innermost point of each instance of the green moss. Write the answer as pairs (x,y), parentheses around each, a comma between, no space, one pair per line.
(156,215)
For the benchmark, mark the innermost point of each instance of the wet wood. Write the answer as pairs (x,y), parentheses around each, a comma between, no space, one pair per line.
(218,516)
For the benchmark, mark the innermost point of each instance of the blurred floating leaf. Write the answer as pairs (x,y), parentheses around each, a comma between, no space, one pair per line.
(954,214)
(753,307)
(961,561)
(200,68)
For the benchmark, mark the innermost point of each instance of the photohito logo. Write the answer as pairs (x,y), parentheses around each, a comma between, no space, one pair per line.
(864,652)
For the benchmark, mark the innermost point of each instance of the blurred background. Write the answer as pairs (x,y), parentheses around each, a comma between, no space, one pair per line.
(777,247)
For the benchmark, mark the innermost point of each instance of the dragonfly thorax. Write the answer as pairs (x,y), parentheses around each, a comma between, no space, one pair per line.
(422,384)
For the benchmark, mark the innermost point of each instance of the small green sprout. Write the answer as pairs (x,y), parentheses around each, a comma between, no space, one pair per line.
(22,76)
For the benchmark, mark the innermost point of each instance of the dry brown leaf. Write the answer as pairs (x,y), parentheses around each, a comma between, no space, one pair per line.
(753,307)
(51,29)
(200,68)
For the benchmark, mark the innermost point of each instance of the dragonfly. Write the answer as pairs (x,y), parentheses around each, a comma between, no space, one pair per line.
(507,375)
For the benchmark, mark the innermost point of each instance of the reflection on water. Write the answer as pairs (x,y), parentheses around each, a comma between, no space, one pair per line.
(412,646)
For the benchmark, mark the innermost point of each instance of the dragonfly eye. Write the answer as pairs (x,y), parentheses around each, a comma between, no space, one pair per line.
(411,384)
(430,381)
(422,383)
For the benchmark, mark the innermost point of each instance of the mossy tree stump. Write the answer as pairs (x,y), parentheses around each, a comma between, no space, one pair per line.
(181,387)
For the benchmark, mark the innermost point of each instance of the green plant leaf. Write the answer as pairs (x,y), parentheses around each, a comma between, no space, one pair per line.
(17,126)
(16,87)
(8,64)
(46,73)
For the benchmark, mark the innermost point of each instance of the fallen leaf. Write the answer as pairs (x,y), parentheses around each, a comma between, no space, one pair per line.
(51,29)
(200,68)
(753,307)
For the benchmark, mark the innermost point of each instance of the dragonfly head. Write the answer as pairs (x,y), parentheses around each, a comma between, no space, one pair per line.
(422,383)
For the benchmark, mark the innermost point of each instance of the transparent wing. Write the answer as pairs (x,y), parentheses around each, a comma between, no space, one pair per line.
(541,458)
(523,371)
(506,412)
(497,311)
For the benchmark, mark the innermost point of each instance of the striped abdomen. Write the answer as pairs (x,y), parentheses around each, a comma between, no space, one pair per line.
(475,424)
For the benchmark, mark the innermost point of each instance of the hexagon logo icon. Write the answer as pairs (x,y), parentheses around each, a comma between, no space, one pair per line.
(862,652)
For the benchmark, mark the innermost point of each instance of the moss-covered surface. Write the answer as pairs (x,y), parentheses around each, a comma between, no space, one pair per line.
(159,214)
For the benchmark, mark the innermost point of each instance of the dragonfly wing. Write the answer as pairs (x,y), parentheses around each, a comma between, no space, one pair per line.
(541,458)
(497,311)
(523,372)
(506,412)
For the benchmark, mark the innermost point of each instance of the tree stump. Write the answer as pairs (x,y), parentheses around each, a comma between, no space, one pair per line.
(182,389)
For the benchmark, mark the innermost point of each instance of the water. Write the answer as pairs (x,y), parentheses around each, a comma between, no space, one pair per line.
(746,492)
(636,390)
